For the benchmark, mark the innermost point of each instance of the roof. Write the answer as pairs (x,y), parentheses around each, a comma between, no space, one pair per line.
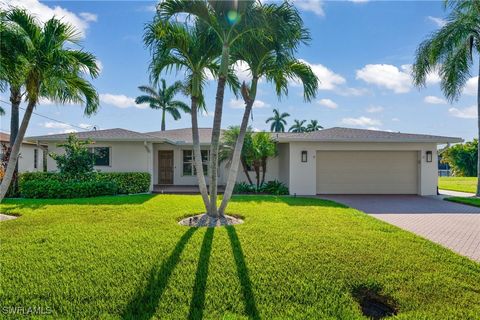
(338,134)
(5,138)
(184,136)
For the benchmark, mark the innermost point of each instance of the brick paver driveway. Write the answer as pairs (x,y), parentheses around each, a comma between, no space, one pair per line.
(452,225)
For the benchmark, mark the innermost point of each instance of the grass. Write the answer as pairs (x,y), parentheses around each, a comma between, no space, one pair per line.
(294,258)
(470,201)
(462,184)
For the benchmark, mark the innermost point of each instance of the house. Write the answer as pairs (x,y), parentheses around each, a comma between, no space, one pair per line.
(31,156)
(330,161)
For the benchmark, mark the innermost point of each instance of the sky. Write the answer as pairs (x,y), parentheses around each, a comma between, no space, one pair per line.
(361,51)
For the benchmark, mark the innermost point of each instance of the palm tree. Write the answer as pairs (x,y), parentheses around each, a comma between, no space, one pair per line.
(270,54)
(278,121)
(298,126)
(313,126)
(53,70)
(227,147)
(230,21)
(163,99)
(450,51)
(263,147)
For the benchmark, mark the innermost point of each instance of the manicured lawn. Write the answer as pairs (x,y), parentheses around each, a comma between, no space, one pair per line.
(294,258)
(463,184)
(470,201)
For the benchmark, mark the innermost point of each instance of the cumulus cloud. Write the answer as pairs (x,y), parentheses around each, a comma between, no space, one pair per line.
(437,21)
(434,100)
(328,80)
(121,101)
(315,6)
(239,104)
(361,122)
(327,103)
(64,127)
(348,91)
(44,12)
(465,113)
(374,109)
(471,86)
(385,75)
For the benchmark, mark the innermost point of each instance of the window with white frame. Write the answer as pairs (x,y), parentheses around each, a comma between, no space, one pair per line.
(101,156)
(189,165)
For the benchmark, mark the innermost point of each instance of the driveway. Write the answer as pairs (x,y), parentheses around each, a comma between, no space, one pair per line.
(455,226)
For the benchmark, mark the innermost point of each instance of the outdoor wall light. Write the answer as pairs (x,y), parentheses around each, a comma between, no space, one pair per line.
(429,156)
(304,156)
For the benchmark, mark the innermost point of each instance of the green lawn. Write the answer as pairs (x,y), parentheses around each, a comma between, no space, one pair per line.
(470,201)
(294,258)
(463,184)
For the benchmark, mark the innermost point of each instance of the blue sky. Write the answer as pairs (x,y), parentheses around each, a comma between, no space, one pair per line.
(360,50)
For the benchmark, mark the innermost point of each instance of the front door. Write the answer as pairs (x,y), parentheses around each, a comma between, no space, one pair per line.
(165,167)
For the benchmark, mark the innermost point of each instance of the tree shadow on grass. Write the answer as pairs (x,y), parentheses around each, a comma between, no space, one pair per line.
(288,200)
(248,296)
(197,304)
(145,302)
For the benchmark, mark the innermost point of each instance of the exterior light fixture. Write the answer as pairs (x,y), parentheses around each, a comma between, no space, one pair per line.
(304,156)
(429,156)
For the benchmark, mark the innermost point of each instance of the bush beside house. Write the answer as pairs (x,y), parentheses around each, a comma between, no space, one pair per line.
(271,187)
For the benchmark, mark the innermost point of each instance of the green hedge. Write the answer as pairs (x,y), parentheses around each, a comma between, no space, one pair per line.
(271,187)
(54,185)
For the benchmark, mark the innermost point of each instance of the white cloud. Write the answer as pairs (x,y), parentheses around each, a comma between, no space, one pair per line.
(438,21)
(395,119)
(361,122)
(85,126)
(432,77)
(64,127)
(56,125)
(327,103)
(434,100)
(471,86)
(348,91)
(44,12)
(359,1)
(328,80)
(465,113)
(121,101)
(100,66)
(315,6)
(239,104)
(374,109)
(385,75)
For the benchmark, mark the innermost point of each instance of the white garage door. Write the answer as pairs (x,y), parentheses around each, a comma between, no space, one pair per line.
(367,172)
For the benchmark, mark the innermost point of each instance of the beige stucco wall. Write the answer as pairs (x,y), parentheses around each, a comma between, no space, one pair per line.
(284,163)
(26,159)
(302,175)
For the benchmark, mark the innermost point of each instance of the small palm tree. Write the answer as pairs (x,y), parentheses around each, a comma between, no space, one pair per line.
(52,69)
(313,126)
(298,126)
(227,147)
(2,112)
(278,121)
(263,146)
(163,99)
(450,51)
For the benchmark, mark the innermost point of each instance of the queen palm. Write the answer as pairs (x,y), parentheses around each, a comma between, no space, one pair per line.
(54,70)
(270,54)
(313,126)
(230,21)
(163,99)
(278,121)
(298,126)
(450,52)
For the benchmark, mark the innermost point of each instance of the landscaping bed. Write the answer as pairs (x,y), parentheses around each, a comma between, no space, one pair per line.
(292,258)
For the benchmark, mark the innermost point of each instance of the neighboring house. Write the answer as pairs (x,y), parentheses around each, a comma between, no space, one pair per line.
(330,161)
(31,155)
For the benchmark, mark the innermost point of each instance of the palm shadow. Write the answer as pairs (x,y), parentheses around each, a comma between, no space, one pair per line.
(144,304)
(197,304)
(242,271)
(288,200)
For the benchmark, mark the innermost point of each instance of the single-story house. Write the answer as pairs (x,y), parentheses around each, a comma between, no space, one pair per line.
(31,156)
(329,161)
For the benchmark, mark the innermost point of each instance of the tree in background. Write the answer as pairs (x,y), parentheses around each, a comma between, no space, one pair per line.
(263,147)
(313,126)
(163,99)
(227,147)
(450,51)
(462,158)
(54,70)
(278,121)
(298,126)
(77,161)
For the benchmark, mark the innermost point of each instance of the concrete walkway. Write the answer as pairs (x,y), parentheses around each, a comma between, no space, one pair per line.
(455,226)
(450,193)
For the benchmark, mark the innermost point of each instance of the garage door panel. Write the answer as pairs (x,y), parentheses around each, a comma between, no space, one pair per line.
(367,172)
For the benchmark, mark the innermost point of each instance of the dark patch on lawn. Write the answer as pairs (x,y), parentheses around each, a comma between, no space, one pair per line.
(289,200)
(373,304)
(188,215)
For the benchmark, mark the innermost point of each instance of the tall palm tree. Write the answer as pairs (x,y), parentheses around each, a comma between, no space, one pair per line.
(313,126)
(270,54)
(230,22)
(53,69)
(278,121)
(450,52)
(163,99)
(298,126)
(194,50)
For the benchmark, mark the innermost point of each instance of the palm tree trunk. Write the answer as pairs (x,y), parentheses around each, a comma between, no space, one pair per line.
(245,170)
(237,153)
(478,127)
(12,161)
(257,173)
(264,170)
(15,99)
(163,119)
(197,155)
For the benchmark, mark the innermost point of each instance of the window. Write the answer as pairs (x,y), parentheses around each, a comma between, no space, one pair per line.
(35,158)
(188,162)
(101,156)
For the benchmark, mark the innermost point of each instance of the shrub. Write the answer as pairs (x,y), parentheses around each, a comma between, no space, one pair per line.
(271,187)
(243,187)
(77,161)
(127,182)
(66,189)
